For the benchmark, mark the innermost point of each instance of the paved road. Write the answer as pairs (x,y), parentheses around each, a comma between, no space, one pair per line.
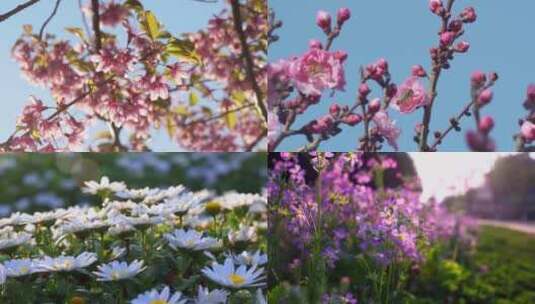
(518,226)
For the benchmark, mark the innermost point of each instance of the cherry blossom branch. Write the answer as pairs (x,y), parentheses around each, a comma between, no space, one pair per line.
(247,57)
(257,140)
(218,116)
(54,12)
(435,75)
(17,9)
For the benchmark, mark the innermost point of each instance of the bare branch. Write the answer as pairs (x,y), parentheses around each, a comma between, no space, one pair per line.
(41,32)
(17,9)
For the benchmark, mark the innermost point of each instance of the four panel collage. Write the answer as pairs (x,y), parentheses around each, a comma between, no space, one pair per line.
(267,151)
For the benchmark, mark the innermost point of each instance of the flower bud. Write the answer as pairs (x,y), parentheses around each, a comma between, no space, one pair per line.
(485,97)
(527,131)
(364,90)
(462,47)
(479,142)
(447,38)
(435,6)
(352,119)
(323,20)
(382,64)
(486,124)
(418,71)
(343,15)
(478,79)
(315,44)
(340,55)
(468,15)
(334,109)
(374,106)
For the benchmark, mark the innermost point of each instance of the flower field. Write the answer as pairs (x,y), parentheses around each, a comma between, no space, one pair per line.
(351,228)
(138,245)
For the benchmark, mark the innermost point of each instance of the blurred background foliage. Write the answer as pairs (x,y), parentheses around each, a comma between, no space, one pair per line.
(34,182)
(507,194)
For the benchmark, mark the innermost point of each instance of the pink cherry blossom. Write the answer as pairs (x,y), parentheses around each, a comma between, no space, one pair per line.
(411,95)
(528,131)
(387,128)
(316,71)
(113,13)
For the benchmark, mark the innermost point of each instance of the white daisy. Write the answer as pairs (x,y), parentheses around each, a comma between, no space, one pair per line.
(216,296)
(20,267)
(163,297)
(229,276)
(260,298)
(3,274)
(14,239)
(192,240)
(116,270)
(67,263)
(104,185)
(250,258)
(243,234)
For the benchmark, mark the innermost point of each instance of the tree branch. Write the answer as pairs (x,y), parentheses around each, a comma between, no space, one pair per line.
(42,31)
(96,24)
(17,9)
(247,58)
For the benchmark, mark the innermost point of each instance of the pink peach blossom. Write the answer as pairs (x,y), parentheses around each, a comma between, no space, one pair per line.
(315,71)
(410,96)
(387,128)
(528,131)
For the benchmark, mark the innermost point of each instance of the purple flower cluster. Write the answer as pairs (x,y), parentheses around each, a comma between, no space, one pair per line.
(348,204)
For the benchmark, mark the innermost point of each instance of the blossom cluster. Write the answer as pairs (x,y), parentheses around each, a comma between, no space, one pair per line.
(346,212)
(297,83)
(148,245)
(133,76)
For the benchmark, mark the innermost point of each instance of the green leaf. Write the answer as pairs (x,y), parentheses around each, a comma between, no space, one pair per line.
(183,49)
(134,4)
(152,27)
(193,99)
(231,120)
(238,97)
(78,32)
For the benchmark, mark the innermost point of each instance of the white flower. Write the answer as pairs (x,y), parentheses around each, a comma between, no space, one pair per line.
(116,271)
(192,240)
(14,239)
(121,229)
(20,267)
(216,296)
(67,263)
(260,298)
(232,200)
(249,258)
(163,297)
(229,276)
(3,274)
(244,234)
(104,185)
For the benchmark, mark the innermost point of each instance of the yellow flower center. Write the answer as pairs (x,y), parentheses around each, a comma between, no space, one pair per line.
(159,301)
(115,275)
(24,270)
(236,279)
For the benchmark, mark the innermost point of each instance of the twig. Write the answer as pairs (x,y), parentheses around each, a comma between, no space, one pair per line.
(220,115)
(17,9)
(453,125)
(41,32)
(258,139)
(247,57)
(435,75)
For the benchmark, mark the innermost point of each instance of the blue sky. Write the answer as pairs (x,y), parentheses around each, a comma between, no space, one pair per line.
(402,32)
(178,16)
